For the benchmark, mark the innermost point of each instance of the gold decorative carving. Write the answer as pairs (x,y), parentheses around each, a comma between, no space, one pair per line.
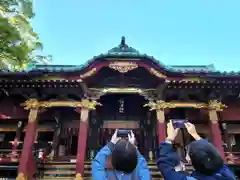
(33,115)
(159,105)
(47,104)
(190,105)
(21,176)
(123,67)
(195,80)
(34,104)
(157,73)
(78,177)
(100,92)
(85,103)
(31,104)
(88,73)
(216,105)
(163,105)
(122,90)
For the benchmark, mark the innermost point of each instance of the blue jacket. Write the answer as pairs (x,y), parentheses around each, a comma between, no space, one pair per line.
(168,159)
(100,173)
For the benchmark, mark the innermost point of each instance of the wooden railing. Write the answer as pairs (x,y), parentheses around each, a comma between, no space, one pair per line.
(8,155)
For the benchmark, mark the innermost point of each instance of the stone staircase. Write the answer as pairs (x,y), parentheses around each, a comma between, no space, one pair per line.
(155,173)
(62,170)
(66,170)
(57,170)
(152,166)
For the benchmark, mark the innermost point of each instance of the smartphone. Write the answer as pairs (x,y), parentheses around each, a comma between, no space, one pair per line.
(179,123)
(123,132)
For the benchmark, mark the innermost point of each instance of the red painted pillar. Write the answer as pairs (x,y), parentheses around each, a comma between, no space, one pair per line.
(161,125)
(82,142)
(215,131)
(26,155)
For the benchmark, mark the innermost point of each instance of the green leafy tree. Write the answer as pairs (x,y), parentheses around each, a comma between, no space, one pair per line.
(19,44)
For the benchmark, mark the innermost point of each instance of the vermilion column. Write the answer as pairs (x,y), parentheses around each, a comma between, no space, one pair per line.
(82,142)
(161,125)
(25,162)
(215,131)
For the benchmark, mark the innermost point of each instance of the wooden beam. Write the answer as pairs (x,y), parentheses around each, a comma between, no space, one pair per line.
(33,104)
(14,129)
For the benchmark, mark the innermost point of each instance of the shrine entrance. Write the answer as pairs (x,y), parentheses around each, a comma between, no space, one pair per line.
(122,111)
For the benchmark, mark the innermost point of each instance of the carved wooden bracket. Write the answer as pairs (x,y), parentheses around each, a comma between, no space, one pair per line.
(216,105)
(160,104)
(123,67)
(88,73)
(35,104)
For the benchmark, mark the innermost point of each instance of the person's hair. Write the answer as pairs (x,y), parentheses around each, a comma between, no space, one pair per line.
(205,158)
(124,156)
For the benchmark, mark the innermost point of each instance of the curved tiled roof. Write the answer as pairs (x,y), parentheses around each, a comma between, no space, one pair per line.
(208,69)
(125,51)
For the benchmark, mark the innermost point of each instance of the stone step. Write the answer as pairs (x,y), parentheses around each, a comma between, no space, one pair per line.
(56,178)
(66,170)
(47,171)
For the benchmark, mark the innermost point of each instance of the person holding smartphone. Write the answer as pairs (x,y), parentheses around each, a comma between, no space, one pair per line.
(126,161)
(205,158)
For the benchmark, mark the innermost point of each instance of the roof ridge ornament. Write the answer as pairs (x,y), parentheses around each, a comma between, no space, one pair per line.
(123,42)
(123,50)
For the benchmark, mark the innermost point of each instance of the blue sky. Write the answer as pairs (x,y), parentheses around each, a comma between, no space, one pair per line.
(176,32)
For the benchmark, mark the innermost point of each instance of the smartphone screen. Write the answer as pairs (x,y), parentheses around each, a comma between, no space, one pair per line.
(123,133)
(179,123)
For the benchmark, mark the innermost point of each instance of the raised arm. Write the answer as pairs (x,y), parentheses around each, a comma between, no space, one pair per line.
(167,161)
(100,161)
(142,168)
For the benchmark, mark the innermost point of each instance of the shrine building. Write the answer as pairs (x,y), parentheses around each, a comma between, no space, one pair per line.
(71,111)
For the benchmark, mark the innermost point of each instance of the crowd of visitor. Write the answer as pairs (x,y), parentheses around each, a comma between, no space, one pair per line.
(128,163)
